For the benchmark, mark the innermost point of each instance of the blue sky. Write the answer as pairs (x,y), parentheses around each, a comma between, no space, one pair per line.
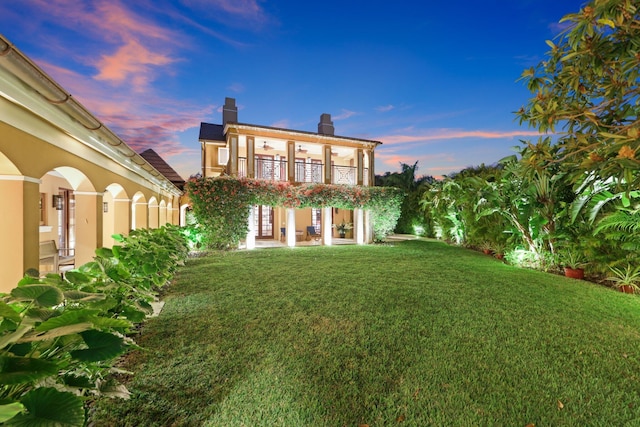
(435,81)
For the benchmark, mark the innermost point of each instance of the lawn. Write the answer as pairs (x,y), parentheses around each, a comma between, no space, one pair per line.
(417,333)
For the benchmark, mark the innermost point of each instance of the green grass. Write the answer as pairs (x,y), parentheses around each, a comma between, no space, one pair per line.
(415,334)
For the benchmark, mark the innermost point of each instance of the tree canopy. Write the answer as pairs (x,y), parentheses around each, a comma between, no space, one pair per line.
(587,93)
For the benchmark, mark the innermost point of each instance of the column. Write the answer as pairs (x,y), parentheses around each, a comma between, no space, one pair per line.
(233,155)
(327,229)
(19,228)
(326,159)
(251,233)
(291,164)
(251,150)
(358,226)
(372,176)
(368,227)
(291,227)
(360,166)
(88,212)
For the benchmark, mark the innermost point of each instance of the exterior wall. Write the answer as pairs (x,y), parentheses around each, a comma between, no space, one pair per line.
(38,137)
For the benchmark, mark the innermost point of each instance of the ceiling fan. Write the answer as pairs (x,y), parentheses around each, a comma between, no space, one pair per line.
(300,150)
(266,146)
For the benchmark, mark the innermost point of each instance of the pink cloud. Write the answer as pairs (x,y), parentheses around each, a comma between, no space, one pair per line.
(284,124)
(130,63)
(141,122)
(443,134)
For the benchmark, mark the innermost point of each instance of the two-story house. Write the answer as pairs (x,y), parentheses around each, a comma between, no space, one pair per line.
(263,152)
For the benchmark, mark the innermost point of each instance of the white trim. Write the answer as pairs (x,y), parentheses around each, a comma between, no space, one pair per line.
(87,193)
(20,178)
(126,200)
(46,228)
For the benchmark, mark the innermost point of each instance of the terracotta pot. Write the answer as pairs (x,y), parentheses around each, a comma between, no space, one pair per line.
(487,251)
(574,273)
(500,256)
(627,289)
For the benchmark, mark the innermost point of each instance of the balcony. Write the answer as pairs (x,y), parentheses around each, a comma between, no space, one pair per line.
(276,170)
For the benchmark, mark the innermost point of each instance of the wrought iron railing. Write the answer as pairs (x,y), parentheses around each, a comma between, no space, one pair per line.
(276,170)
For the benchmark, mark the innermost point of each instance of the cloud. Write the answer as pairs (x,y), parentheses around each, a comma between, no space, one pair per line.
(236,87)
(142,122)
(345,115)
(443,134)
(283,124)
(247,9)
(384,109)
(124,47)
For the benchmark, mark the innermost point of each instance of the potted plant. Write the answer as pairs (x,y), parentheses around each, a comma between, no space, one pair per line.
(486,247)
(627,280)
(498,249)
(573,262)
(342,228)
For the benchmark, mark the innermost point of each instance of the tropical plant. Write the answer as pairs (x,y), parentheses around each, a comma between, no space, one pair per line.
(59,337)
(626,277)
(588,84)
(571,257)
(343,227)
(412,217)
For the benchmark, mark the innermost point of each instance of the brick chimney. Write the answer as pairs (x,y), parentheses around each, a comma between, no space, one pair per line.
(229,111)
(325,127)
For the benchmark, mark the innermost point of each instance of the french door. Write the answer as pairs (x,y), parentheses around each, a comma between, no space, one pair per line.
(263,222)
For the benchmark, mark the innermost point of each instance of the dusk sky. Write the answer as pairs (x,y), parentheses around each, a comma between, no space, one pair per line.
(435,81)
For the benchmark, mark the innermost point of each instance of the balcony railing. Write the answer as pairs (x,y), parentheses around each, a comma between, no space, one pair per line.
(276,170)
(309,172)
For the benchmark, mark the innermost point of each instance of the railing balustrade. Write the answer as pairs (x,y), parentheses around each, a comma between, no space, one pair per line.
(276,170)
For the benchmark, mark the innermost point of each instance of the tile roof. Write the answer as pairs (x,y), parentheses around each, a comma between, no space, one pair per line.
(161,166)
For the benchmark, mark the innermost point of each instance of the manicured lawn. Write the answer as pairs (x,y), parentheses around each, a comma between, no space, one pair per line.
(415,334)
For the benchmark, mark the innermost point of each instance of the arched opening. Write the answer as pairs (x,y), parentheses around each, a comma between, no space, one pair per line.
(139,209)
(116,214)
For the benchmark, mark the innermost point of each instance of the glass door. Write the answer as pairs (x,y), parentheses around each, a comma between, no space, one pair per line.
(263,222)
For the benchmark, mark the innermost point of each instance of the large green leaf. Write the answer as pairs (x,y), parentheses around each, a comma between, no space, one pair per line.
(81,296)
(57,332)
(20,370)
(25,326)
(10,410)
(109,322)
(43,295)
(69,317)
(102,346)
(8,313)
(104,253)
(77,277)
(50,407)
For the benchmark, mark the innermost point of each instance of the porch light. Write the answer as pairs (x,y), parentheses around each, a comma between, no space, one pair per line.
(105,207)
(58,202)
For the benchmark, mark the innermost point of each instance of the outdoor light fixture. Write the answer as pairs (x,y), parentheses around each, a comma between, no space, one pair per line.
(58,202)
(105,207)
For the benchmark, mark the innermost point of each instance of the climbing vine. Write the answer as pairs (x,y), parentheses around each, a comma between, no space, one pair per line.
(221,205)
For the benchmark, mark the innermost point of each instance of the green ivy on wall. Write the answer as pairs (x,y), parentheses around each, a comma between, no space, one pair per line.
(221,205)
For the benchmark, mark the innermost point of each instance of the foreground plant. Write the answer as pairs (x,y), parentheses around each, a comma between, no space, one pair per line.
(59,337)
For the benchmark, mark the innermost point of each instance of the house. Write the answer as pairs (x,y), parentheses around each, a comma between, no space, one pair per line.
(65,176)
(263,152)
